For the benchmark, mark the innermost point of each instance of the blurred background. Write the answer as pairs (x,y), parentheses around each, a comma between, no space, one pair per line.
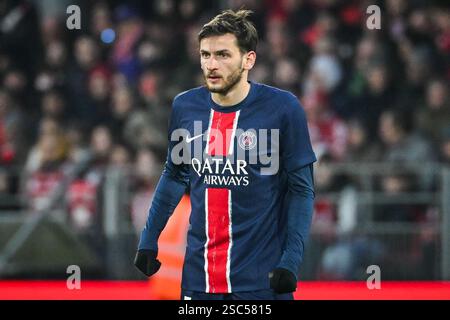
(83,130)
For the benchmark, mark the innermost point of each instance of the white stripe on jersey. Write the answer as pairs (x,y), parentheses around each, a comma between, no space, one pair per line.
(235,122)
(211,116)
(231,240)
(207,241)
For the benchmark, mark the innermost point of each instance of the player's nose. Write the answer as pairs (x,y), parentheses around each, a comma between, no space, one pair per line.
(212,64)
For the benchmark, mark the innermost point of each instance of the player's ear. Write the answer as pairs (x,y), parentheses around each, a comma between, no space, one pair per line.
(249,60)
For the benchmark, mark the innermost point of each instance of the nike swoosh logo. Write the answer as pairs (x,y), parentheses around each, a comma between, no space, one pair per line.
(188,140)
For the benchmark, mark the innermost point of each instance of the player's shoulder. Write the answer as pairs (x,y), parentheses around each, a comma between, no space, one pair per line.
(189,96)
(284,99)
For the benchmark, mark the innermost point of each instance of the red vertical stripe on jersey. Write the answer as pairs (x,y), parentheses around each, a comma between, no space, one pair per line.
(218,207)
(219,140)
(218,239)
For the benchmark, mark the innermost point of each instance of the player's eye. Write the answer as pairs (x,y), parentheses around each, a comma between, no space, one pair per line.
(205,55)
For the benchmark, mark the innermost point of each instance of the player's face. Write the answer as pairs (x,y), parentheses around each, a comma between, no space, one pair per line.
(222,63)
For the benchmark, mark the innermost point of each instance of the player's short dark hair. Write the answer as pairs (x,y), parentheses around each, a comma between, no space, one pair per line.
(236,23)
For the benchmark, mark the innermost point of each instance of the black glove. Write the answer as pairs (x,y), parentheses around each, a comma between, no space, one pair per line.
(146,262)
(282,281)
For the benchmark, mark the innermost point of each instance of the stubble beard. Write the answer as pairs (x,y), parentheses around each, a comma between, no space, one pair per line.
(229,83)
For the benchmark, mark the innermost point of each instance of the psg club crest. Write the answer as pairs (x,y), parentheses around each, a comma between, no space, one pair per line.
(247,140)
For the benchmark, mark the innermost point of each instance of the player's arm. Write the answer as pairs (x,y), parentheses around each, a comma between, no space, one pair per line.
(297,159)
(300,201)
(170,189)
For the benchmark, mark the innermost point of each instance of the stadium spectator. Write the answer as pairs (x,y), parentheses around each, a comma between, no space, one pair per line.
(144,182)
(45,166)
(434,116)
(394,184)
(359,147)
(401,143)
(328,132)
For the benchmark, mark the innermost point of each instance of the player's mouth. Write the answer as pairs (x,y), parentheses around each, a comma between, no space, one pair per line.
(214,78)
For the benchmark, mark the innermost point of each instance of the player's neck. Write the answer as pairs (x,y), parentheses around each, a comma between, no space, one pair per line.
(234,96)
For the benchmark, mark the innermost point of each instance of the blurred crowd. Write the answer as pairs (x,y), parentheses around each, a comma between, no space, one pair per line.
(104,92)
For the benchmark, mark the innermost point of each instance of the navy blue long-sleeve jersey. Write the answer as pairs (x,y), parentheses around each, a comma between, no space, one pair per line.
(249,171)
